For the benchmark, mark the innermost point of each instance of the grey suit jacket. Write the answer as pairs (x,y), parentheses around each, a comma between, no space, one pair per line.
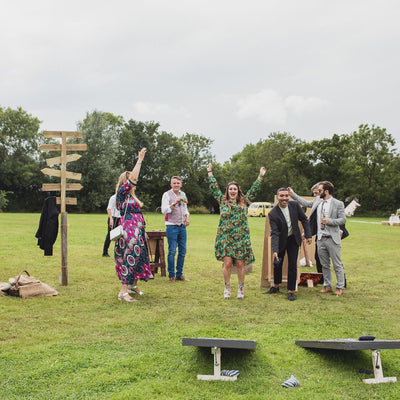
(337,215)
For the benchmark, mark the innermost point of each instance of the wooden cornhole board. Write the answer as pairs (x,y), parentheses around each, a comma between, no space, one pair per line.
(216,345)
(354,344)
(267,270)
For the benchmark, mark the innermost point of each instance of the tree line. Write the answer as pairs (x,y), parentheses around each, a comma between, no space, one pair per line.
(363,164)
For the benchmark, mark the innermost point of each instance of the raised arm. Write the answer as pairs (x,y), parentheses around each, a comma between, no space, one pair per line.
(134,175)
(299,199)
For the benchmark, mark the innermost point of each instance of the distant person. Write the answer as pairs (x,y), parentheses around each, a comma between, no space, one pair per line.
(285,237)
(176,215)
(232,244)
(132,261)
(330,216)
(112,222)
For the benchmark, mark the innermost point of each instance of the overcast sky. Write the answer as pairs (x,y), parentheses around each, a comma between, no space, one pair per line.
(233,71)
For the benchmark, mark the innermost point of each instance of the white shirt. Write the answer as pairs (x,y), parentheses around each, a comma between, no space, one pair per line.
(286,214)
(166,207)
(112,205)
(323,211)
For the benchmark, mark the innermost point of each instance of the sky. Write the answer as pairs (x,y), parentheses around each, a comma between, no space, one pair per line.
(233,71)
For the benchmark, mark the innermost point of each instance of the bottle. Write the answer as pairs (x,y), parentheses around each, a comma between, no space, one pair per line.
(322,224)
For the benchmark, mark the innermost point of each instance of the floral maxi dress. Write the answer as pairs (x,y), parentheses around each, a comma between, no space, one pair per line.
(131,255)
(233,235)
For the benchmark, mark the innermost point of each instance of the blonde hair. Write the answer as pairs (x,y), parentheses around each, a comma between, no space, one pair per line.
(121,180)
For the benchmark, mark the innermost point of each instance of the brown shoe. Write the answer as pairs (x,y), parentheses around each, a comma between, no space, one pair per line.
(172,279)
(338,292)
(326,289)
(181,278)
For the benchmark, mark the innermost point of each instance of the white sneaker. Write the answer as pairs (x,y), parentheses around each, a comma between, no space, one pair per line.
(227,291)
(240,294)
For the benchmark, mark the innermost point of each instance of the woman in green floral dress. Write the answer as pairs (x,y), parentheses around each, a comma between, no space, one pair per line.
(232,244)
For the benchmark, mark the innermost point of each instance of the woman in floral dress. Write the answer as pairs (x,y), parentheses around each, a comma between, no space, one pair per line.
(232,244)
(131,255)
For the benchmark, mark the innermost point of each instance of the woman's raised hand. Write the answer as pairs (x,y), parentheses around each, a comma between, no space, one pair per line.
(263,170)
(142,153)
(209,167)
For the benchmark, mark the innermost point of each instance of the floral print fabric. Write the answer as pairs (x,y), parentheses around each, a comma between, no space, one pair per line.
(131,255)
(233,235)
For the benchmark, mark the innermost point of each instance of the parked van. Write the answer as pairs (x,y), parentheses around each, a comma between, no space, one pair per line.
(259,209)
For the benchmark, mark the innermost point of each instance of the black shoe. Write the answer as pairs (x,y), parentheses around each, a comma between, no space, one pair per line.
(290,296)
(273,290)
(106,255)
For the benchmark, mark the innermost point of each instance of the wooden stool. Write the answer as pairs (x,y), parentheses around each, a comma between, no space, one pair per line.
(156,249)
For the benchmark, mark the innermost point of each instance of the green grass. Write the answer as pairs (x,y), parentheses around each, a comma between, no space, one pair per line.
(84,344)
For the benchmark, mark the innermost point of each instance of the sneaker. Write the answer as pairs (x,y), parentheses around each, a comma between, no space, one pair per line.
(291,382)
(227,291)
(240,294)
(273,290)
(290,296)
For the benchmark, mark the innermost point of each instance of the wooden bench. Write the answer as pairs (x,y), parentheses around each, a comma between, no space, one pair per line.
(216,345)
(355,344)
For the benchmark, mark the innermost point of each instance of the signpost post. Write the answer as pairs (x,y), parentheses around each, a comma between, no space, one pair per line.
(63,186)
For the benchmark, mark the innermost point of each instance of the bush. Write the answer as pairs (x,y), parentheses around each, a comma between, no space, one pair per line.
(3,199)
(198,210)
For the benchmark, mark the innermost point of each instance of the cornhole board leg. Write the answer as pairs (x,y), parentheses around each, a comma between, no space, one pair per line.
(217,368)
(378,370)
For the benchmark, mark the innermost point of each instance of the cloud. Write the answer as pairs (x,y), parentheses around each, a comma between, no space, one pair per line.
(269,107)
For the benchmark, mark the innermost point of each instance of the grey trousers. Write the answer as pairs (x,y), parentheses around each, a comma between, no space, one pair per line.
(328,250)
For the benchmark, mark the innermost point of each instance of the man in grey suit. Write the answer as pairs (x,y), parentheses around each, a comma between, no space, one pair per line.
(330,215)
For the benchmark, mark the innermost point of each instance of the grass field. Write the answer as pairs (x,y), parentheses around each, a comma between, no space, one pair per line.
(84,344)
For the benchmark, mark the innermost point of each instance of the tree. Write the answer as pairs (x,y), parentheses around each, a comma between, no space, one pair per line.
(98,165)
(371,161)
(19,158)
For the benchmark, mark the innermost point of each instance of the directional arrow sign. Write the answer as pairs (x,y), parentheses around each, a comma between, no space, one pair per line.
(57,172)
(52,187)
(58,134)
(57,160)
(68,201)
(68,147)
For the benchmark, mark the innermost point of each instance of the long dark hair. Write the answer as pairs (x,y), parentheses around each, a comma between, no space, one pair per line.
(241,200)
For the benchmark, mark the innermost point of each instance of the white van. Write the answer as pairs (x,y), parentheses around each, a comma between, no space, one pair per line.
(259,209)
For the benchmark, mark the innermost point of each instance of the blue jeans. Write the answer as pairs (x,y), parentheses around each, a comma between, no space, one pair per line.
(176,236)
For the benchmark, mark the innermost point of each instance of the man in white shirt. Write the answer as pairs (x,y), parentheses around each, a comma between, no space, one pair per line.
(174,207)
(112,221)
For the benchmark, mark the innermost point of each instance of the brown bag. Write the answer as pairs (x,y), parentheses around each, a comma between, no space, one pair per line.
(28,286)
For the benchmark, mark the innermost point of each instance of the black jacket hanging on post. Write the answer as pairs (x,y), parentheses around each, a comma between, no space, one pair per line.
(48,226)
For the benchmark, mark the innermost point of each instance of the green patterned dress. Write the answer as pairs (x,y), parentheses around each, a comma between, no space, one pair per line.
(233,235)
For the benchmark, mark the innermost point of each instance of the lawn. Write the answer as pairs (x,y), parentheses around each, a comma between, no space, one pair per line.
(85,344)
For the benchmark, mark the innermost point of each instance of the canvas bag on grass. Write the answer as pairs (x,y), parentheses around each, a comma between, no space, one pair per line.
(118,232)
(28,286)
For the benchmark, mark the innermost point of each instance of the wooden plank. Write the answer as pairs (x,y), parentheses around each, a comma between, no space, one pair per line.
(57,160)
(69,201)
(69,147)
(56,172)
(58,134)
(52,187)
(220,343)
(349,344)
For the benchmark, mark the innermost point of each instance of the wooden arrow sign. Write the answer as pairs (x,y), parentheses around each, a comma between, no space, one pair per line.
(53,187)
(69,201)
(56,172)
(58,134)
(68,147)
(57,160)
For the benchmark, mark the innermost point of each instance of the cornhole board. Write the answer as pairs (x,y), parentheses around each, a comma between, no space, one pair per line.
(309,279)
(354,344)
(216,345)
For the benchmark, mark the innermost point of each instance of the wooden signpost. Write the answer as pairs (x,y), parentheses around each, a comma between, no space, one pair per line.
(63,186)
